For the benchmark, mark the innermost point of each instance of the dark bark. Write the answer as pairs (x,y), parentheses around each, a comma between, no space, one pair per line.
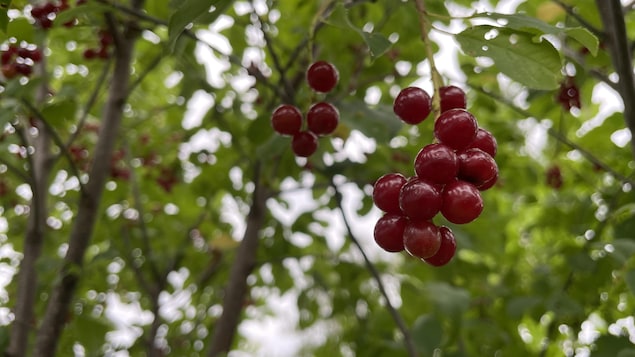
(61,297)
(244,263)
(615,32)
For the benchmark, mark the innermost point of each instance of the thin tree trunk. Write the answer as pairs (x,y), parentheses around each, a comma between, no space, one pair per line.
(24,322)
(61,297)
(619,46)
(244,263)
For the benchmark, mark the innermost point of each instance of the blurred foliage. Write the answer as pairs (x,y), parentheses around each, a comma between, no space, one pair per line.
(544,271)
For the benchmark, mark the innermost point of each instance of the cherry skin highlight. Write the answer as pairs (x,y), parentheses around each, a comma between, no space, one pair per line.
(322,76)
(485,141)
(462,202)
(456,128)
(322,118)
(452,97)
(421,239)
(476,166)
(412,105)
(436,163)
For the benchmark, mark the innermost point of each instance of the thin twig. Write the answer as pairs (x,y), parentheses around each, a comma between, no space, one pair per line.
(570,10)
(437,81)
(399,321)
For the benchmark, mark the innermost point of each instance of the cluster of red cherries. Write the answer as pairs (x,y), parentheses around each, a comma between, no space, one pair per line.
(321,119)
(45,13)
(449,176)
(19,60)
(101,52)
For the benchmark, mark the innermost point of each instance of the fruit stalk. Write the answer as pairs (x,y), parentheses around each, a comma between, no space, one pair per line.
(437,81)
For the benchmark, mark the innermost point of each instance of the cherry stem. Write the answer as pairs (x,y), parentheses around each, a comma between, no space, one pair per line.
(437,81)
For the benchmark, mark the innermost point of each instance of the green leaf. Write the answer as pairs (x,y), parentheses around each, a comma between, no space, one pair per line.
(629,278)
(188,12)
(21,29)
(378,122)
(59,111)
(377,43)
(533,64)
(4,19)
(623,249)
(522,22)
(427,334)
(450,300)
(90,7)
(610,346)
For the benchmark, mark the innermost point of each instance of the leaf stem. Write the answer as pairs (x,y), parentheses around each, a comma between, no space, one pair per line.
(437,81)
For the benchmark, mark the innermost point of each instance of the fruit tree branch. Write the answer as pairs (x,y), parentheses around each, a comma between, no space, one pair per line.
(437,81)
(61,297)
(244,263)
(616,37)
(399,321)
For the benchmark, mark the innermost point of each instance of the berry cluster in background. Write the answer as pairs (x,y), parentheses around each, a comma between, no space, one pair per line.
(44,14)
(101,52)
(449,175)
(19,60)
(321,119)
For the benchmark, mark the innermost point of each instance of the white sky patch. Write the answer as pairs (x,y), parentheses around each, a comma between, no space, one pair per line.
(126,317)
(200,103)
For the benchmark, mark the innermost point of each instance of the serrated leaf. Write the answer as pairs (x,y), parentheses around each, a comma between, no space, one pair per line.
(188,12)
(516,54)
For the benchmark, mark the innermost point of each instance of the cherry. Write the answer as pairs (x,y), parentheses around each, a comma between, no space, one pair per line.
(452,97)
(485,141)
(24,69)
(6,57)
(446,250)
(412,105)
(322,118)
(419,199)
(304,143)
(90,53)
(286,120)
(322,76)
(488,184)
(105,38)
(456,128)
(462,202)
(389,232)
(421,239)
(386,192)
(554,177)
(476,166)
(569,94)
(8,70)
(437,163)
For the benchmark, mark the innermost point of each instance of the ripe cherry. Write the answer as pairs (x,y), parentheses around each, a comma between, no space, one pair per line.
(386,192)
(24,69)
(286,120)
(9,71)
(421,239)
(462,202)
(437,163)
(412,105)
(456,128)
(90,53)
(322,76)
(304,143)
(452,97)
(446,250)
(322,118)
(485,141)
(476,166)
(554,177)
(488,184)
(419,200)
(389,231)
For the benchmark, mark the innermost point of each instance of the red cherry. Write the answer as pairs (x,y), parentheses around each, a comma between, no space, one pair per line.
(8,70)
(90,53)
(389,232)
(44,22)
(49,8)
(304,143)
(6,57)
(485,141)
(446,250)
(437,163)
(476,166)
(412,105)
(452,97)
(322,76)
(488,184)
(322,118)
(105,38)
(462,202)
(456,128)
(421,239)
(419,200)
(24,69)
(554,177)
(286,120)
(386,192)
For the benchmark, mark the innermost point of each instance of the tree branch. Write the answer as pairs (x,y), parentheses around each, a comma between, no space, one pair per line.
(68,278)
(616,37)
(244,263)
(399,321)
